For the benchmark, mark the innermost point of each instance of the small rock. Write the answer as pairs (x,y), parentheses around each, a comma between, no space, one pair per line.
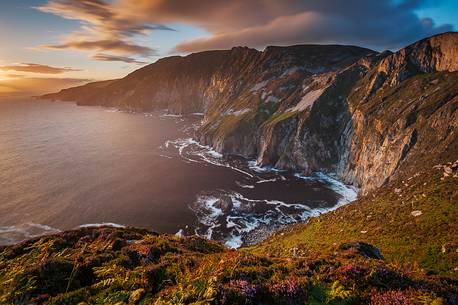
(363,232)
(363,249)
(416,213)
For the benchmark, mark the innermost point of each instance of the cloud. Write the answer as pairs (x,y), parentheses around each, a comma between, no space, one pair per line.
(14,75)
(115,46)
(258,23)
(37,68)
(27,86)
(374,24)
(254,23)
(108,57)
(99,15)
(103,29)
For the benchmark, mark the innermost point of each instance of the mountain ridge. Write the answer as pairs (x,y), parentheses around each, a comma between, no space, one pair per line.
(295,108)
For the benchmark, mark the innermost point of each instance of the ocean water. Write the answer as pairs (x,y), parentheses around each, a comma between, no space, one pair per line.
(64,166)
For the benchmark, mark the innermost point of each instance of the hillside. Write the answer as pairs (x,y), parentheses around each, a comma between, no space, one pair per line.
(132,266)
(412,221)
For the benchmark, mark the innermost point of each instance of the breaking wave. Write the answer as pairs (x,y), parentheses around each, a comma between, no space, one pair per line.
(234,219)
(13,234)
(102,224)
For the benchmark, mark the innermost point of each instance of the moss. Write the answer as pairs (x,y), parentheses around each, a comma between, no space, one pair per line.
(280,116)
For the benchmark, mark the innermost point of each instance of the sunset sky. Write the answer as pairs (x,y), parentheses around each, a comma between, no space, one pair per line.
(48,45)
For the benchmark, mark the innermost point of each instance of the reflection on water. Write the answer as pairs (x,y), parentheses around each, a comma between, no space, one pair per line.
(62,166)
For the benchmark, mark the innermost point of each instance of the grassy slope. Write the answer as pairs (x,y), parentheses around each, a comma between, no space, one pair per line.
(384,219)
(133,266)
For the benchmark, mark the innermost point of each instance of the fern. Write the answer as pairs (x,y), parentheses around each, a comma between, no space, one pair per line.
(338,291)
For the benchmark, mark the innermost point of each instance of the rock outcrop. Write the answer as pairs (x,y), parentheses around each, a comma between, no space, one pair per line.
(340,109)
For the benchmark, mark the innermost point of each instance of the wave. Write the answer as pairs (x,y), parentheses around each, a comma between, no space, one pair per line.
(252,164)
(14,234)
(347,193)
(102,224)
(192,151)
(245,186)
(170,115)
(234,219)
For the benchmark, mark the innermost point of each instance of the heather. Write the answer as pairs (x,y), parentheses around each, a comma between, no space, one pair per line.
(135,266)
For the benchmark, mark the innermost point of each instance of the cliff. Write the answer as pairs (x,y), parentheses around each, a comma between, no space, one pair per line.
(340,109)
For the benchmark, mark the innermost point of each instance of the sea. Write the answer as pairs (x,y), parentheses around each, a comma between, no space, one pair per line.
(64,166)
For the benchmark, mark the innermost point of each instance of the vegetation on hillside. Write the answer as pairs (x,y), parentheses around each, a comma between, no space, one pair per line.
(412,220)
(134,266)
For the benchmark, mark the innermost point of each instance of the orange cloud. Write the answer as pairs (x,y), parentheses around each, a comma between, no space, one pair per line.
(37,68)
(108,57)
(104,30)
(112,45)
(27,86)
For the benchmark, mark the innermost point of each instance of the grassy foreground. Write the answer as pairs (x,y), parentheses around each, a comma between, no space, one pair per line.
(134,266)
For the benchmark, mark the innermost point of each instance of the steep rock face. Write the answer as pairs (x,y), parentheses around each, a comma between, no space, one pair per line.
(258,108)
(340,109)
(403,108)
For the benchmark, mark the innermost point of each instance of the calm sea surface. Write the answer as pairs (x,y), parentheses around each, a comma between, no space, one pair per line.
(63,166)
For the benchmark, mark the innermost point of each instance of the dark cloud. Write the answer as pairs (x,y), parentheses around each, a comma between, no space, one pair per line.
(375,24)
(111,45)
(95,13)
(37,68)
(103,29)
(108,57)
(254,23)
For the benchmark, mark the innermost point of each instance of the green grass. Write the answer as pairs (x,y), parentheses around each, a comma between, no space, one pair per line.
(386,222)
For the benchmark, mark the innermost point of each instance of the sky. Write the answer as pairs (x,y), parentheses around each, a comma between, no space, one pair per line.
(47,45)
